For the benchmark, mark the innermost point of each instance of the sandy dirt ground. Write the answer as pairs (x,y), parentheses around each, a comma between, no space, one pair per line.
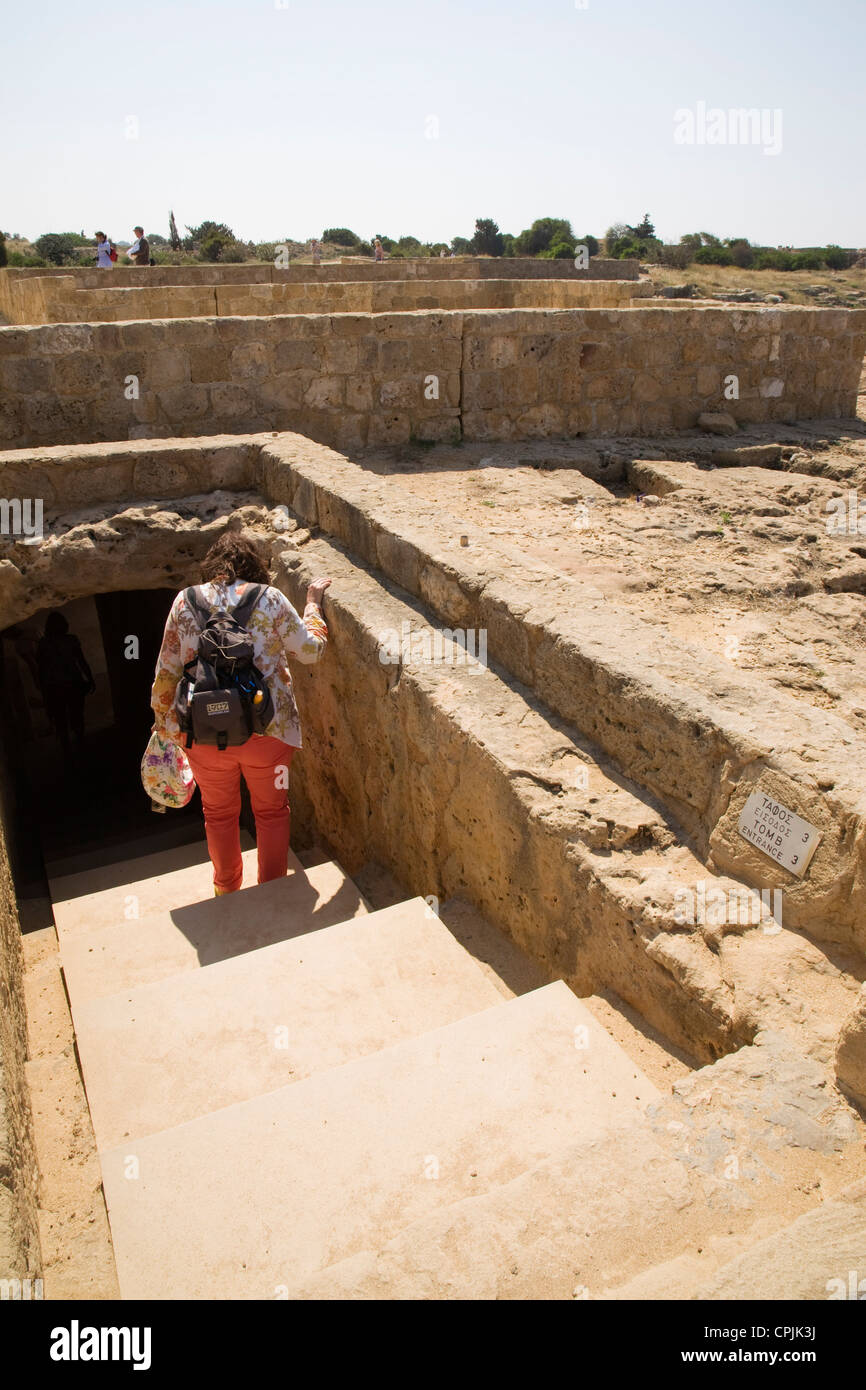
(764,567)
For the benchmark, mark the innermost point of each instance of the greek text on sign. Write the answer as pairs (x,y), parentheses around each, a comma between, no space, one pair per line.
(778,832)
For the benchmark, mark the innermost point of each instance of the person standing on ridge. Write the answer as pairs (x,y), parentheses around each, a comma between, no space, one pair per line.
(106,252)
(139,251)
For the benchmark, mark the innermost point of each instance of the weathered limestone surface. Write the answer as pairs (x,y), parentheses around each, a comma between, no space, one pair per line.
(360,378)
(651,370)
(368,379)
(686,725)
(851,1052)
(463,783)
(446,750)
(564,1230)
(19,1233)
(56,301)
(693,729)
(16,280)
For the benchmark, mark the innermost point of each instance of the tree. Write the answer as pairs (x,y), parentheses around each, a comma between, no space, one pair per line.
(209,239)
(544,233)
(713,255)
(173,235)
(2,248)
(835,258)
(488,240)
(460,245)
(644,229)
(741,252)
(58,248)
(340,236)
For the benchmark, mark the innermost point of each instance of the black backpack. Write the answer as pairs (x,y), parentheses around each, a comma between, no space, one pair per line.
(222,697)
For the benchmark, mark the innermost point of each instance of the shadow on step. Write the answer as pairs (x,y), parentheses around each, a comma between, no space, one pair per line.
(220,928)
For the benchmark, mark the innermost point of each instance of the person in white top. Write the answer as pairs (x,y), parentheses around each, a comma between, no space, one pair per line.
(103,252)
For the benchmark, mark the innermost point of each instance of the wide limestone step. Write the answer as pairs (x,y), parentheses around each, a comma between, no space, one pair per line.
(158,1055)
(249,1200)
(821,1255)
(201,931)
(135,888)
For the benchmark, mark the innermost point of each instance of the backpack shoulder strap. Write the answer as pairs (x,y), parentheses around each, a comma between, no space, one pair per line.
(242,610)
(196,604)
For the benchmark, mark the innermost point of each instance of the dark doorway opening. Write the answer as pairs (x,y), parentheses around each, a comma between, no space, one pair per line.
(75,808)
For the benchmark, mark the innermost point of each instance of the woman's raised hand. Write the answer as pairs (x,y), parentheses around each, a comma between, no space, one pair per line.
(316,590)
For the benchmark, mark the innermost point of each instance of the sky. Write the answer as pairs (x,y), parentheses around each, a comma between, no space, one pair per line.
(284,117)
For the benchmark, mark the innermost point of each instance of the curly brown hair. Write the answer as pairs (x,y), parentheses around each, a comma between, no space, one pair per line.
(233,557)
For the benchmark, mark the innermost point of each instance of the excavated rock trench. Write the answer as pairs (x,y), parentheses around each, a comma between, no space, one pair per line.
(534,788)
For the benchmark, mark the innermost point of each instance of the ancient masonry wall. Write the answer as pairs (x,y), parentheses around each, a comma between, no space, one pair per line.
(22,291)
(352,380)
(19,1232)
(56,300)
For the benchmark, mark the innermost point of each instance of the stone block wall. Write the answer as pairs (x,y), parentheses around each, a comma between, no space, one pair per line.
(57,299)
(651,370)
(19,1230)
(22,291)
(368,379)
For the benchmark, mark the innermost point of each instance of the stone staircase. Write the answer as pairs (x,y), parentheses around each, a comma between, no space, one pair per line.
(282,1081)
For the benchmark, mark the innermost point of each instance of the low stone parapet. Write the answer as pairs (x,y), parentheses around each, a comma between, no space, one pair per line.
(353,380)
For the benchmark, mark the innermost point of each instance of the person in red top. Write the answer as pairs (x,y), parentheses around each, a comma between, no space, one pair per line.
(278,632)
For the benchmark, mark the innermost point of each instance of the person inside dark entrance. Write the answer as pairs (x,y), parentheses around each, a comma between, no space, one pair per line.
(230,568)
(64,679)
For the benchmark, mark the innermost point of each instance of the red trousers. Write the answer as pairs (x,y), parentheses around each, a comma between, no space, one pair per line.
(265,764)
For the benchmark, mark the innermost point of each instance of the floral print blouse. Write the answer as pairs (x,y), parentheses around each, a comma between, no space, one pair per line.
(277,632)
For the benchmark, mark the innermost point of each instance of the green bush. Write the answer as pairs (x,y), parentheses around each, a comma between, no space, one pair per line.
(488,240)
(2,249)
(807,260)
(544,233)
(211,249)
(768,259)
(713,255)
(627,248)
(59,248)
(677,257)
(741,252)
(835,258)
(341,236)
(19,260)
(560,252)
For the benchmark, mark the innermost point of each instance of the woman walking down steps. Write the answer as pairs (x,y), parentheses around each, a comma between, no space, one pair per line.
(230,567)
